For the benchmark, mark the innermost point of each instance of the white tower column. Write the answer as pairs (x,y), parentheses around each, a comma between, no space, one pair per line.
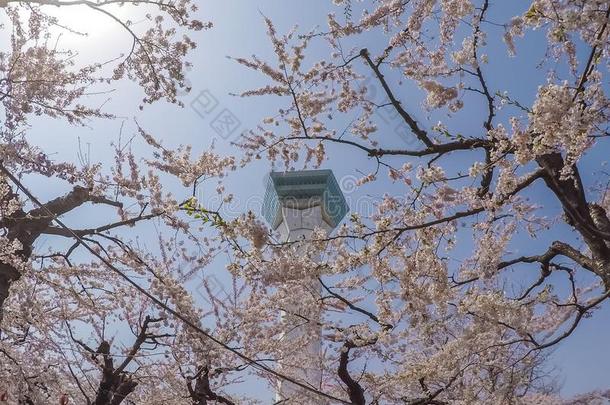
(296,203)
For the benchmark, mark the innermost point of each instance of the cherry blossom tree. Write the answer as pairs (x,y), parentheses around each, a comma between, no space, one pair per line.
(99,319)
(60,310)
(413,326)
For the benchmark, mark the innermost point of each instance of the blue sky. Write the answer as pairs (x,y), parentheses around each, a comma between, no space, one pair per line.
(239,30)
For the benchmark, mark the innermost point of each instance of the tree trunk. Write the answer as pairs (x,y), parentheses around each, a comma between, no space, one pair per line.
(8,274)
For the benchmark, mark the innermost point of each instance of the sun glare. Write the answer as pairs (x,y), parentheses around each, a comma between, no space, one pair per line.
(85,20)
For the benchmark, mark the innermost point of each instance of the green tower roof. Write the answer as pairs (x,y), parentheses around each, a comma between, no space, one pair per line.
(313,185)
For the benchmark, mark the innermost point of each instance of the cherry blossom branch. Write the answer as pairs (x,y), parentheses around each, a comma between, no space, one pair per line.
(479,73)
(51,230)
(27,227)
(168,5)
(369,314)
(461,214)
(420,133)
(112,389)
(582,311)
(430,399)
(557,248)
(136,40)
(202,392)
(115,385)
(440,149)
(142,337)
(571,194)
(75,198)
(296,103)
(78,384)
(354,389)
(590,61)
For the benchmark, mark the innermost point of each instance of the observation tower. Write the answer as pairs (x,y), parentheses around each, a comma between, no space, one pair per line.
(295,204)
